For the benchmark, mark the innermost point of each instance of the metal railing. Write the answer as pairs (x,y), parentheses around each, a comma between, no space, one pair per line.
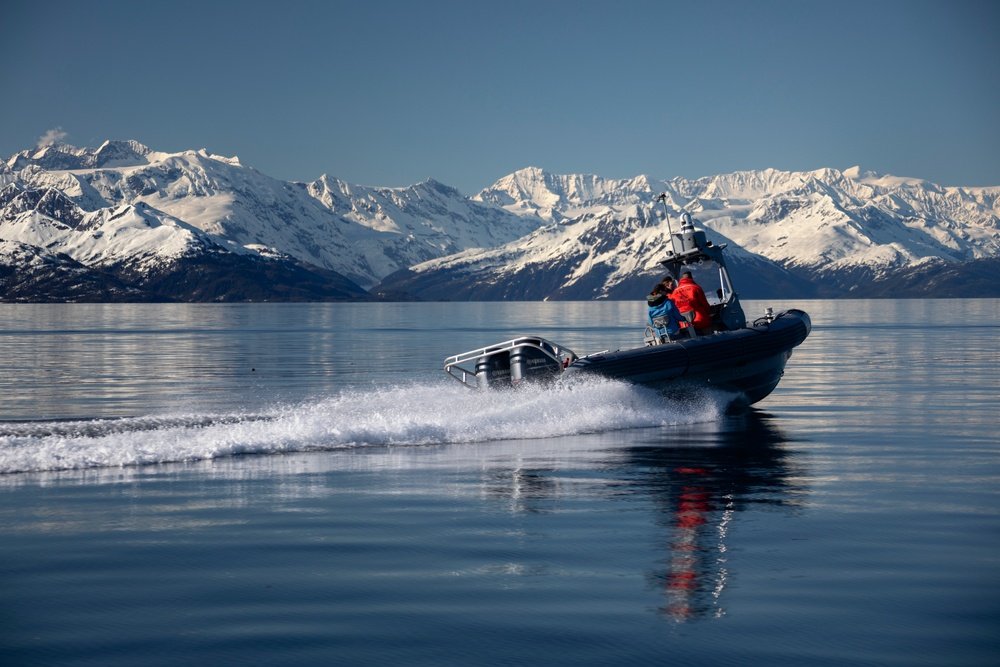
(468,376)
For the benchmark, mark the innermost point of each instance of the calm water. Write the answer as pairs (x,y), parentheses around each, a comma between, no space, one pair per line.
(301,484)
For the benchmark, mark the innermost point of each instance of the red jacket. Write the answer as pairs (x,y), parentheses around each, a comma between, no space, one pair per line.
(688,295)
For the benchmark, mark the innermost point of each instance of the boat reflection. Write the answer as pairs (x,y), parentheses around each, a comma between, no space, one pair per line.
(699,477)
(700,488)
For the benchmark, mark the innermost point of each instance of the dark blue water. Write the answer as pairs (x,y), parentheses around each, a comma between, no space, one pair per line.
(301,484)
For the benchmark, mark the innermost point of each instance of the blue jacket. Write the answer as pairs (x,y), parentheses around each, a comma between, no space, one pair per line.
(668,310)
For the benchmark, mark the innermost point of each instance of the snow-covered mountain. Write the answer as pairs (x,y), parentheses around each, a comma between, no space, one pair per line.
(825,232)
(128,222)
(141,207)
(53,250)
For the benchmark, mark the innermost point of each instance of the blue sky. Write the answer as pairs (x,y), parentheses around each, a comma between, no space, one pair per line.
(394,93)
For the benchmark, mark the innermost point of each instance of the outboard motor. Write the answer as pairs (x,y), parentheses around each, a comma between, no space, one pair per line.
(493,371)
(530,363)
(499,366)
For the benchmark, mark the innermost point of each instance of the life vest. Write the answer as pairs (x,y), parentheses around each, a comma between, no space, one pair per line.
(689,296)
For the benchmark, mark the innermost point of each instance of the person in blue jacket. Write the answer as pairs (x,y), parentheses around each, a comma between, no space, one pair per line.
(660,305)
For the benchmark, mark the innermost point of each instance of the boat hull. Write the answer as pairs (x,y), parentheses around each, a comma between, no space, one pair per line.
(748,361)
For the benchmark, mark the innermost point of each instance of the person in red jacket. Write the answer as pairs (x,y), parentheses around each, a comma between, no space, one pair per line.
(691,301)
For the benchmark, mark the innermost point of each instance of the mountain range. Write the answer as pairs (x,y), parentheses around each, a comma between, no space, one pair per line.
(126,223)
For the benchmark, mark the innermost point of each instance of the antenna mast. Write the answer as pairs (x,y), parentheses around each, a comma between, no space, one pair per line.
(670,230)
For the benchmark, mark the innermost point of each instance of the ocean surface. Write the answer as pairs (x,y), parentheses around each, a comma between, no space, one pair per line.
(289,484)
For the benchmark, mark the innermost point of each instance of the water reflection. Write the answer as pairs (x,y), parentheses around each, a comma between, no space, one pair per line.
(698,478)
(699,491)
(695,479)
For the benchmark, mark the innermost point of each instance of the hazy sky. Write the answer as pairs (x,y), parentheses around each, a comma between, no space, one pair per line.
(394,93)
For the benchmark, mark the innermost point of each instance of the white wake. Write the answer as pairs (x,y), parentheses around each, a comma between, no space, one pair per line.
(412,414)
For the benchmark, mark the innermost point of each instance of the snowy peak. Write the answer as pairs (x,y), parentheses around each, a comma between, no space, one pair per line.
(554,197)
(827,228)
(49,202)
(121,234)
(437,214)
(531,189)
(120,154)
(856,173)
(59,156)
(364,233)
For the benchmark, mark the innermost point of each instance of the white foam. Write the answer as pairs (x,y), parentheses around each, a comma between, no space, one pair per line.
(413,414)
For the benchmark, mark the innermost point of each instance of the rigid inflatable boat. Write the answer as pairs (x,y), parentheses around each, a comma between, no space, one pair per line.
(747,359)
